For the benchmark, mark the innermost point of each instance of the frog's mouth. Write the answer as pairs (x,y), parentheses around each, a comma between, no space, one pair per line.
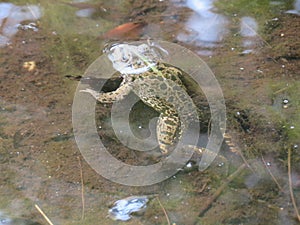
(132,59)
(130,69)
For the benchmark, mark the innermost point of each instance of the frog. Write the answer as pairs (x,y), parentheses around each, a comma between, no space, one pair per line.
(157,84)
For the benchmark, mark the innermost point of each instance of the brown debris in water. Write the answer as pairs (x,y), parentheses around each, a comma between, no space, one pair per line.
(126,31)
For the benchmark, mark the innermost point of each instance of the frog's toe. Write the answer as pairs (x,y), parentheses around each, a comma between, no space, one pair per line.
(164,151)
(94,93)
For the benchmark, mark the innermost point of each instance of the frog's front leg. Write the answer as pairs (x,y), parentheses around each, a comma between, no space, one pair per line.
(112,96)
(167,127)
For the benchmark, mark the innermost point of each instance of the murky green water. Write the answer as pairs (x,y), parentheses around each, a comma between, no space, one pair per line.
(252,47)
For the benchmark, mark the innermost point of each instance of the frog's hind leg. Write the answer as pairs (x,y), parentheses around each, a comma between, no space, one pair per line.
(167,128)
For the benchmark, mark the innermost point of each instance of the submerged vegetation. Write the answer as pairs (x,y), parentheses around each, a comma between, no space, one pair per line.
(72,41)
(39,156)
(261,9)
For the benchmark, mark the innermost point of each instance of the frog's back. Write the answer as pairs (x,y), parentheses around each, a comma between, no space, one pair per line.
(162,89)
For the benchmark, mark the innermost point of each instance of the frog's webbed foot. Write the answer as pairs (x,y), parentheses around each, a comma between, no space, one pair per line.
(94,93)
(110,97)
(100,96)
(219,162)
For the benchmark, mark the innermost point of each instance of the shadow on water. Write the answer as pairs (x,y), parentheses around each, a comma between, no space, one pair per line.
(251,46)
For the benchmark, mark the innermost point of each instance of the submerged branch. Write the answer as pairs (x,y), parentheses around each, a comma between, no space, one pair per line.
(230,178)
(291,184)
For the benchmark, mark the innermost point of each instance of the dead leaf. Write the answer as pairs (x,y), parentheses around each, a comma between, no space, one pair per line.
(127,31)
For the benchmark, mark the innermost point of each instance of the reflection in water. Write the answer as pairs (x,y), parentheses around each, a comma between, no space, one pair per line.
(124,207)
(11,16)
(248,31)
(296,9)
(85,12)
(206,28)
(6,220)
(248,27)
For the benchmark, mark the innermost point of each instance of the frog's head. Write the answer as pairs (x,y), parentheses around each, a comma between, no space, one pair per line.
(132,59)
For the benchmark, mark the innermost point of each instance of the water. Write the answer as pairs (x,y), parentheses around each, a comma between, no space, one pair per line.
(205,28)
(11,16)
(249,33)
(6,220)
(124,207)
(296,9)
(252,49)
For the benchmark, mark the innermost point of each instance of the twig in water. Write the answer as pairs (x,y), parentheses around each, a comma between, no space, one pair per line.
(234,148)
(43,214)
(32,12)
(165,212)
(271,174)
(230,178)
(291,185)
(260,37)
(82,190)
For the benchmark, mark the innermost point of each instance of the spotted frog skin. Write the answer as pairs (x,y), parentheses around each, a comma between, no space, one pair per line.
(158,85)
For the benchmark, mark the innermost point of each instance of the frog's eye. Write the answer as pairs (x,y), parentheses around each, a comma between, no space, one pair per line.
(143,48)
(139,62)
(125,57)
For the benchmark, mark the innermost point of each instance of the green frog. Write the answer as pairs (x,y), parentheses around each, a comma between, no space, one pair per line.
(157,84)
